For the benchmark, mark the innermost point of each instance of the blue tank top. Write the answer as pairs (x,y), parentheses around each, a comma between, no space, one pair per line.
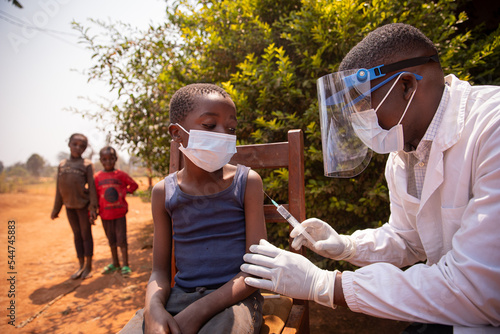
(209,232)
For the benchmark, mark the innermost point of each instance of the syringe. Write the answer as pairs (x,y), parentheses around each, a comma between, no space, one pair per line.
(291,219)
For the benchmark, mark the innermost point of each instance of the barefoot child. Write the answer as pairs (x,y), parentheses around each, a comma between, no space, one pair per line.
(212,212)
(76,190)
(112,186)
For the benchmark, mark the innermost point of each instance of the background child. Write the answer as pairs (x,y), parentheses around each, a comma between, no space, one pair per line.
(214,212)
(76,190)
(112,186)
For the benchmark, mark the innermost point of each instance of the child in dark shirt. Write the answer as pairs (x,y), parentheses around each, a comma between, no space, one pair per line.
(112,187)
(212,211)
(76,191)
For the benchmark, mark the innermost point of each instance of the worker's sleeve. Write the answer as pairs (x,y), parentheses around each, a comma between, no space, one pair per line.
(463,287)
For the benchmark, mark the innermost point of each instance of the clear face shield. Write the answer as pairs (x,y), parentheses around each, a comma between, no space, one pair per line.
(340,95)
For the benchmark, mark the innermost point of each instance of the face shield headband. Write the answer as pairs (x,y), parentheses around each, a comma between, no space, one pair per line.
(341,94)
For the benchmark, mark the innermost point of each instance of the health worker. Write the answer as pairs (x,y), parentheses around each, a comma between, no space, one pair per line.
(443,175)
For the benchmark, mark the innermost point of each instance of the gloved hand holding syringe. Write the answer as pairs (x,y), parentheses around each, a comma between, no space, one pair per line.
(291,219)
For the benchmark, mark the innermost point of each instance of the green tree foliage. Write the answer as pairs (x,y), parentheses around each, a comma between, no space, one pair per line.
(143,70)
(268,56)
(35,164)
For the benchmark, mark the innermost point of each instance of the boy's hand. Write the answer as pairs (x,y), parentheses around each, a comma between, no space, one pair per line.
(163,322)
(328,243)
(54,215)
(92,217)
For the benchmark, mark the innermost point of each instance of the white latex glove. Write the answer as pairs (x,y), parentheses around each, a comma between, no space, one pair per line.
(328,242)
(288,273)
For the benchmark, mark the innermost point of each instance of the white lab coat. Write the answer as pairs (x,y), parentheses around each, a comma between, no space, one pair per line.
(455,227)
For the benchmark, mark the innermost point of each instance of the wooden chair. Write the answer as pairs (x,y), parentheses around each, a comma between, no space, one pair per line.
(281,315)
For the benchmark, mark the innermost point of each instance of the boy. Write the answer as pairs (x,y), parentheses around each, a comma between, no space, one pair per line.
(112,186)
(76,191)
(216,212)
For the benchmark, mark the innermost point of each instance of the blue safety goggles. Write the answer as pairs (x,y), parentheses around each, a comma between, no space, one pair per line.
(381,70)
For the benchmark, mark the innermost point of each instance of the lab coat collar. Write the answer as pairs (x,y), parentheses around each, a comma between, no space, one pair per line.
(448,134)
(453,120)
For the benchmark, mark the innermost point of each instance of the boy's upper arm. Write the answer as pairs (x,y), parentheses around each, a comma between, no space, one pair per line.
(162,239)
(254,209)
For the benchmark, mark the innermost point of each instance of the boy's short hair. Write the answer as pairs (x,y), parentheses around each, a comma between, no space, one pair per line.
(108,150)
(78,135)
(185,99)
(382,44)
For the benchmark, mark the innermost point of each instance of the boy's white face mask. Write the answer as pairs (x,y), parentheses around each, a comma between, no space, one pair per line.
(209,150)
(382,141)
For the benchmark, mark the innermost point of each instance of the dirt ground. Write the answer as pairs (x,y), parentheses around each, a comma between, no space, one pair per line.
(43,299)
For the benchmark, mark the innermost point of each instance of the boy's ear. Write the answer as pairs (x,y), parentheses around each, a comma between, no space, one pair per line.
(174,129)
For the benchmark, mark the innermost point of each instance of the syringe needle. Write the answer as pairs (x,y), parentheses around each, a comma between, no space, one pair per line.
(275,204)
(291,219)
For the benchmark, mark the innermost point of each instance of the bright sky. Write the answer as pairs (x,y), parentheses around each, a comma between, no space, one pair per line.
(37,78)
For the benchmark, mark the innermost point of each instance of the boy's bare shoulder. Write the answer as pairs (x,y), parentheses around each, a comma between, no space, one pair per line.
(254,178)
(160,185)
(253,174)
(158,191)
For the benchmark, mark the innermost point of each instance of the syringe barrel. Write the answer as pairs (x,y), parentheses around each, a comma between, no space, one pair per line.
(291,219)
(285,214)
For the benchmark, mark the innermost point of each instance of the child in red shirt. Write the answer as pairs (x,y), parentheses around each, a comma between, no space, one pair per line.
(112,186)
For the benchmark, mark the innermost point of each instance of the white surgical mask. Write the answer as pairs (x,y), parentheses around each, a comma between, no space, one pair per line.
(209,150)
(382,141)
